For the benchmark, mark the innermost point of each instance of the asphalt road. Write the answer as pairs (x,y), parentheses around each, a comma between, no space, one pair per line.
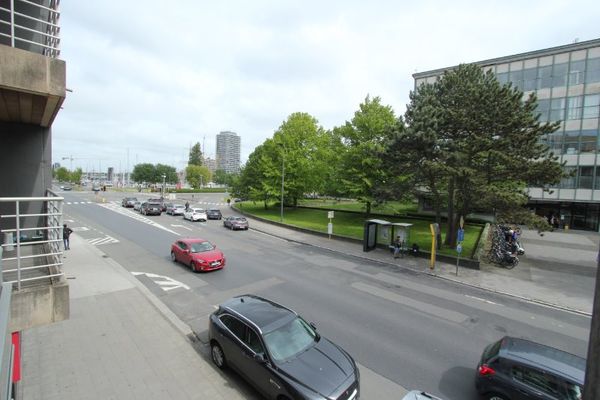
(407,329)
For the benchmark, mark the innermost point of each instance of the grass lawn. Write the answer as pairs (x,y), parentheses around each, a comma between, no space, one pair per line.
(390,208)
(352,225)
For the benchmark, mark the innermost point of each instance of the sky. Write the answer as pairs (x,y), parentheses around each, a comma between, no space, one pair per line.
(147,80)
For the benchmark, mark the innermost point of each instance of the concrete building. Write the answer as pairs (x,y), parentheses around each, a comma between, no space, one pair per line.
(211,164)
(33,288)
(566,80)
(228,151)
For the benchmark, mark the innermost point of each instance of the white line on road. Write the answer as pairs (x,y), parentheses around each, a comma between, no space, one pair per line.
(163,281)
(181,226)
(484,300)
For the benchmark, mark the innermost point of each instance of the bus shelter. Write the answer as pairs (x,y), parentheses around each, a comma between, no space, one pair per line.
(381,231)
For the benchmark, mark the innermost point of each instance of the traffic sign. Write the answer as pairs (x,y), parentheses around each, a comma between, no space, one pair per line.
(461,235)
(459,248)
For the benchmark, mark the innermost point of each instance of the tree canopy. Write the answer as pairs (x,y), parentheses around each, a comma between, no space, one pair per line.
(150,173)
(197,175)
(477,140)
(196,156)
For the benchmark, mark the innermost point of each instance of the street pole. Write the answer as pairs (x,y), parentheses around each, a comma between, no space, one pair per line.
(163,186)
(282,181)
(591,387)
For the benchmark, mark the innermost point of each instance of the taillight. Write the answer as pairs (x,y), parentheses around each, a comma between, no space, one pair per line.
(484,370)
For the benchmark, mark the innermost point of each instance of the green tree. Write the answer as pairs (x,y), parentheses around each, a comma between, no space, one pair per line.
(484,140)
(223,178)
(169,172)
(365,139)
(62,174)
(145,172)
(197,175)
(196,155)
(257,180)
(75,176)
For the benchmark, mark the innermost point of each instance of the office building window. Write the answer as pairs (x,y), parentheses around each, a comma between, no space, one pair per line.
(591,106)
(574,107)
(516,77)
(555,141)
(592,69)
(544,76)
(576,72)
(559,75)
(530,79)
(597,180)
(571,142)
(569,181)
(502,77)
(586,178)
(589,141)
(543,107)
(557,109)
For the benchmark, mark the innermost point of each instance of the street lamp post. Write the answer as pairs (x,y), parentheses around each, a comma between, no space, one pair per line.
(282,178)
(163,185)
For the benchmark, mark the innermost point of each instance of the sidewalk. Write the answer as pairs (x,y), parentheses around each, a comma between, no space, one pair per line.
(558,268)
(120,342)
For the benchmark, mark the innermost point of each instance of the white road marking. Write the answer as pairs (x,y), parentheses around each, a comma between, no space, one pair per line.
(80,228)
(181,226)
(164,282)
(484,300)
(103,240)
(116,207)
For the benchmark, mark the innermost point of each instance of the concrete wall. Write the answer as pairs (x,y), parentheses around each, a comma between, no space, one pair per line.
(38,306)
(25,166)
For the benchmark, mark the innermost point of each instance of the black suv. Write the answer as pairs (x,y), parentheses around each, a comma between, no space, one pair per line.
(279,353)
(214,213)
(149,208)
(515,369)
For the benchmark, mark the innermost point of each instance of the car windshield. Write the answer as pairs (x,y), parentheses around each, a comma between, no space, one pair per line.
(290,339)
(198,210)
(178,206)
(199,247)
(239,219)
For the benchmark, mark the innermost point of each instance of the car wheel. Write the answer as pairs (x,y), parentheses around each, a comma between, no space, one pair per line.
(495,396)
(173,257)
(217,355)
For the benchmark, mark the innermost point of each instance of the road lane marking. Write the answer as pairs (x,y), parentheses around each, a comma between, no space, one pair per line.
(426,308)
(103,240)
(164,282)
(484,300)
(182,226)
(129,213)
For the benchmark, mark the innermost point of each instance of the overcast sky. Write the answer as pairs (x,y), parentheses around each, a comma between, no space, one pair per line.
(151,78)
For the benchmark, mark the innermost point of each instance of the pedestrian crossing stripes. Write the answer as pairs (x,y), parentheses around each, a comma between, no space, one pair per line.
(103,240)
(79,202)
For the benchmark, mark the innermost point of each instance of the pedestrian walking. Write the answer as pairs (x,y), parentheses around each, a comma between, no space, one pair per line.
(397,246)
(66,233)
(187,205)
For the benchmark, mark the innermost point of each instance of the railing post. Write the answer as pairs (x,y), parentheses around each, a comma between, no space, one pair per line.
(18,229)
(12,23)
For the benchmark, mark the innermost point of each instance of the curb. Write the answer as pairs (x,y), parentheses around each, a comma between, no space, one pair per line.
(433,274)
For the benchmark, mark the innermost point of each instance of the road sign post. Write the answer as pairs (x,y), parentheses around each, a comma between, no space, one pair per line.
(330,224)
(435,228)
(460,237)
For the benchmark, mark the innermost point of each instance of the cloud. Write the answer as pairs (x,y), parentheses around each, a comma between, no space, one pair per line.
(152,79)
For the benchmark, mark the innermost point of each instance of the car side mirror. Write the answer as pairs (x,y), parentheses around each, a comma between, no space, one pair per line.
(313,325)
(259,358)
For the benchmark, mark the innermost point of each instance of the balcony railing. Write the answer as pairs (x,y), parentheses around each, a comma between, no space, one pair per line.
(31,26)
(32,253)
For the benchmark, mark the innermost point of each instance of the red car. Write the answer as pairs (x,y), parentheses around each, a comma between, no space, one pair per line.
(199,254)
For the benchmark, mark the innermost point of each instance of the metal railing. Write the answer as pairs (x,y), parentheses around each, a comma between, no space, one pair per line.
(31,242)
(33,27)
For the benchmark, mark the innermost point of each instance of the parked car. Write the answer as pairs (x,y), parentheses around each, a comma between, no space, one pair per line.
(67,187)
(519,369)
(235,223)
(198,254)
(419,395)
(195,214)
(149,208)
(175,209)
(214,213)
(280,353)
(137,206)
(160,201)
(128,201)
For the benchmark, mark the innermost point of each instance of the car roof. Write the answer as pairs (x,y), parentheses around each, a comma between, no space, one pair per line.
(213,209)
(192,240)
(538,355)
(265,314)
(197,208)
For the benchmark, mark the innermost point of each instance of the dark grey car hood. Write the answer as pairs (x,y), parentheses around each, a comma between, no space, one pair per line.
(322,368)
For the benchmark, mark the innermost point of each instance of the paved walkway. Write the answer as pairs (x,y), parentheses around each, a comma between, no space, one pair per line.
(558,268)
(120,342)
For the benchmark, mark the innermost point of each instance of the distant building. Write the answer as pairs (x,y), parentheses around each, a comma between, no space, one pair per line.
(211,164)
(566,80)
(228,151)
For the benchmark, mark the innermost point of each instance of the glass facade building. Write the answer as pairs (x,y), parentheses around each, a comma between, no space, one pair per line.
(566,80)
